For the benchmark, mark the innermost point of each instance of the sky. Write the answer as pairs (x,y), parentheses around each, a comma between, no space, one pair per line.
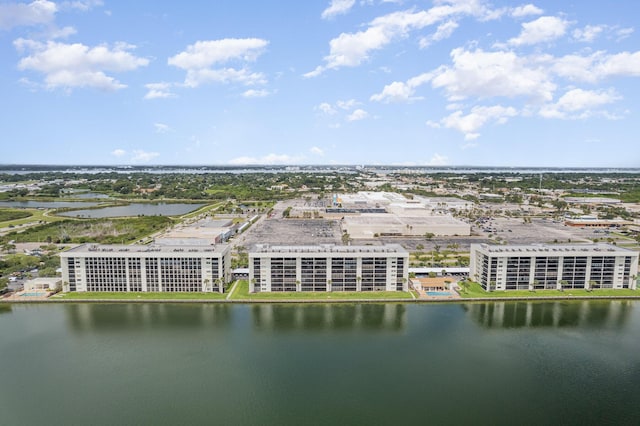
(234,82)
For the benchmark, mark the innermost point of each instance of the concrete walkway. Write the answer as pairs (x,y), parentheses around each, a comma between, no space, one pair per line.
(233,288)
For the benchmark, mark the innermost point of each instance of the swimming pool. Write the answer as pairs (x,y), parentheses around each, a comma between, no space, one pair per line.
(438,293)
(34,294)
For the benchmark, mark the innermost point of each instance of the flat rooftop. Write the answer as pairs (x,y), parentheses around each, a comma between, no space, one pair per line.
(92,249)
(554,248)
(394,219)
(329,248)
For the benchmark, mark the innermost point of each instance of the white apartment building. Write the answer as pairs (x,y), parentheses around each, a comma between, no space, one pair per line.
(328,268)
(543,266)
(123,268)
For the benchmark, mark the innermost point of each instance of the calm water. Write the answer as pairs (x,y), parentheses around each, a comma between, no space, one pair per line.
(136,209)
(46,204)
(500,363)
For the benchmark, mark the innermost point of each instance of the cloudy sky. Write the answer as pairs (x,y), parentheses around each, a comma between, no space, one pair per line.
(443,82)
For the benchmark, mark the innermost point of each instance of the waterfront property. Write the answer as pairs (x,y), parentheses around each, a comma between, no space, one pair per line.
(328,268)
(120,268)
(544,266)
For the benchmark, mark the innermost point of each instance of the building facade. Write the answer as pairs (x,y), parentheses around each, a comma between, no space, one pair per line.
(328,268)
(540,266)
(124,268)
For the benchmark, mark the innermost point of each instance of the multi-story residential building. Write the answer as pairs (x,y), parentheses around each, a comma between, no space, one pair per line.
(91,267)
(542,266)
(328,268)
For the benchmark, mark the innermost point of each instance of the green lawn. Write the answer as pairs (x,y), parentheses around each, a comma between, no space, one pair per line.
(139,296)
(34,216)
(102,231)
(242,293)
(201,210)
(13,214)
(476,291)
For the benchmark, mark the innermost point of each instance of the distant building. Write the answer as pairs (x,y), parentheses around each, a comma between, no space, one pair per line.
(328,268)
(371,225)
(123,268)
(592,200)
(526,267)
(42,283)
(594,222)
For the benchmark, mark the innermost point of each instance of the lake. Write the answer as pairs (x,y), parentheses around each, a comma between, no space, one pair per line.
(46,204)
(359,364)
(136,209)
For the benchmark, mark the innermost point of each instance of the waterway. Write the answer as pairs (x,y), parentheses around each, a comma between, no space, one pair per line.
(570,363)
(46,204)
(136,209)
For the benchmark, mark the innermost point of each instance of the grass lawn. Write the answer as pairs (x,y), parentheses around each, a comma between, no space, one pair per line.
(100,230)
(476,291)
(242,293)
(35,216)
(138,296)
(202,210)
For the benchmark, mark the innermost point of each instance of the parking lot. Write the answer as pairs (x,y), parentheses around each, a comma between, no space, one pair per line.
(277,230)
(515,231)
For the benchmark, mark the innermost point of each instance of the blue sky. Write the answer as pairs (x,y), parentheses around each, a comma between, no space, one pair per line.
(446,82)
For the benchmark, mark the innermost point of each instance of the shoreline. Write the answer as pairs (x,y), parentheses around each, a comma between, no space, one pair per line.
(311,301)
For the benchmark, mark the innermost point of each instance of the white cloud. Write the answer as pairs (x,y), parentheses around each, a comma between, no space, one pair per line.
(158,91)
(437,160)
(82,5)
(197,77)
(326,108)
(316,151)
(471,123)
(27,14)
(161,128)
(141,156)
(337,7)
(352,49)
(444,31)
(204,54)
(490,74)
(267,160)
(200,58)
(543,29)
(402,92)
(357,115)
(118,152)
(252,93)
(76,65)
(623,33)
(588,33)
(579,103)
(348,104)
(65,32)
(595,67)
(526,10)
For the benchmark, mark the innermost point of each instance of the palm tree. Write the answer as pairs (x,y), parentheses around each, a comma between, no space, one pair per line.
(563,283)
(346,238)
